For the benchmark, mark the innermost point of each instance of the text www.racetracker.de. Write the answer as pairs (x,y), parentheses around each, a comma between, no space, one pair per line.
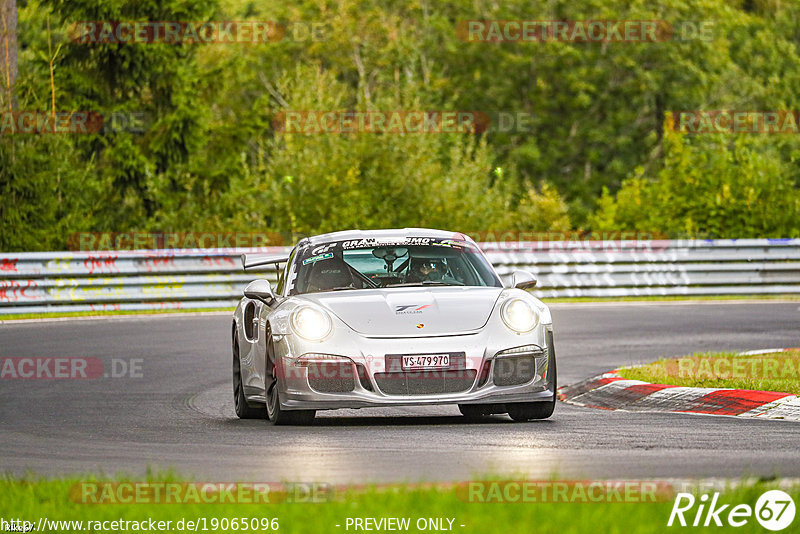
(198,524)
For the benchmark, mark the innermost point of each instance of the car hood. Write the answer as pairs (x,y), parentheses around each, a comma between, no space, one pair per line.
(422,311)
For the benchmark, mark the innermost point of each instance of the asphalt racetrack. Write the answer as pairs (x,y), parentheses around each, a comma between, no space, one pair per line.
(179,413)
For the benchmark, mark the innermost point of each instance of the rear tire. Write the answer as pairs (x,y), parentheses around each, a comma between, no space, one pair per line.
(244,410)
(275,414)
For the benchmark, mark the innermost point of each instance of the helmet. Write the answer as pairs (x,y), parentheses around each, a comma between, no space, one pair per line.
(433,269)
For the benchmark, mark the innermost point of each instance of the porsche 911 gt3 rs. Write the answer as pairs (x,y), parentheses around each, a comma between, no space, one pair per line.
(390,318)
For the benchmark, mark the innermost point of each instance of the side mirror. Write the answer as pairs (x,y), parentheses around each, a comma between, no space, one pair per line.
(523,280)
(260,290)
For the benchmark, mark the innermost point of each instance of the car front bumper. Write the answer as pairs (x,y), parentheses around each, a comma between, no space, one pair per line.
(477,355)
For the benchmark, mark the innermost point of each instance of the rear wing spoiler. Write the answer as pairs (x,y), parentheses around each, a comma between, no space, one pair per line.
(250,261)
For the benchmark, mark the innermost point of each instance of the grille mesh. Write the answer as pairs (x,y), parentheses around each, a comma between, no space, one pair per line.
(425,382)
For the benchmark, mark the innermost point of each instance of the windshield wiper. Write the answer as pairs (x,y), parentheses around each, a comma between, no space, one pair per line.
(342,288)
(425,283)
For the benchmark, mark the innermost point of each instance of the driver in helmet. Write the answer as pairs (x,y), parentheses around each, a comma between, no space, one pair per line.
(427,270)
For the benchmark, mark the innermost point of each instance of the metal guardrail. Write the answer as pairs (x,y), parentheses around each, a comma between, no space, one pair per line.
(196,279)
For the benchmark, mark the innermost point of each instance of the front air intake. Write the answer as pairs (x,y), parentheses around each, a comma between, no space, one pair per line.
(331,377)
(513,371)
(517,366)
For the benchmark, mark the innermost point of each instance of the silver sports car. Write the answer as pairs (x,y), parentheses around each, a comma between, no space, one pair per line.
(390,318)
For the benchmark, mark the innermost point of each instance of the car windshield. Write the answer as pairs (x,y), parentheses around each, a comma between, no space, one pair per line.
(367,264)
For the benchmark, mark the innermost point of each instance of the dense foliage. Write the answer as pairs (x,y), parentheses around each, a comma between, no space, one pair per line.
(598,153)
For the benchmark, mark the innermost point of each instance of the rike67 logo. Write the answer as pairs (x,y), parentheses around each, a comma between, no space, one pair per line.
(774,510)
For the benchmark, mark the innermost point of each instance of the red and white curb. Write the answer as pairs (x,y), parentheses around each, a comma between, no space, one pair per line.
(610,391)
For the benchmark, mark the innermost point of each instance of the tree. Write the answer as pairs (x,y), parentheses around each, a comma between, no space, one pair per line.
(8,47)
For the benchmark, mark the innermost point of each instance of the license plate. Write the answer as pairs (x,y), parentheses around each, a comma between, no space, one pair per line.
(426,361)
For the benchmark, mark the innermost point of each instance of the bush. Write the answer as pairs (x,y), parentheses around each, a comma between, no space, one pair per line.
(709,186)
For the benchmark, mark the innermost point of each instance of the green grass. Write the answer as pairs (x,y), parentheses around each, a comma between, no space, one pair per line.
(31,499)
(764,372)
(105,313)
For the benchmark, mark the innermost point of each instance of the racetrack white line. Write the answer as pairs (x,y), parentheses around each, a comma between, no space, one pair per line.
(114,317)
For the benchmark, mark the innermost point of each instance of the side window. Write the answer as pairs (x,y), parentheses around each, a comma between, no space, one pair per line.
(281,284)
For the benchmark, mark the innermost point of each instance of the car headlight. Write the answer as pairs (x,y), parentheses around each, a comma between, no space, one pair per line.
(311,323)
(519,315)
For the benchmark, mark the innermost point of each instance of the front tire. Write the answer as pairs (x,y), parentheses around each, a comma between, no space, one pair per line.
(526,411)
(275,414)
(244,410)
